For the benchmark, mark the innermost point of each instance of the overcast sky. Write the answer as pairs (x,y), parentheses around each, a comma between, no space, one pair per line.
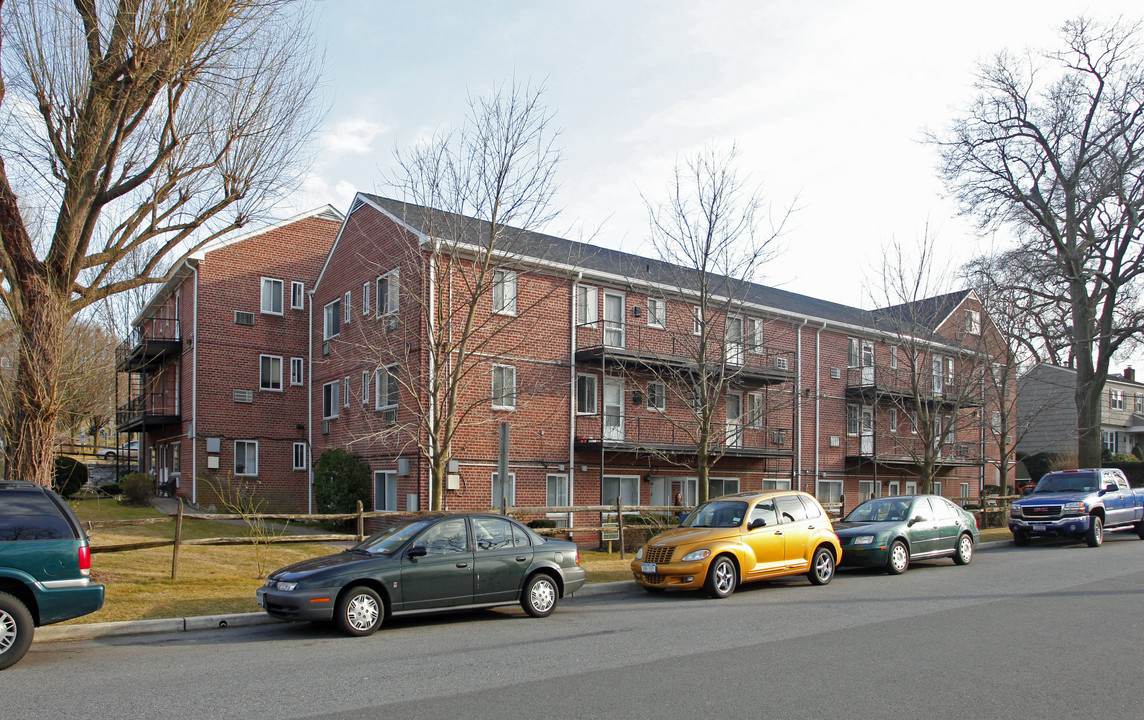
(826,100)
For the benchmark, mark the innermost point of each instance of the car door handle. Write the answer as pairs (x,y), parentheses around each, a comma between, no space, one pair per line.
(778,532)
(809,527)
(462,565)
(521,558)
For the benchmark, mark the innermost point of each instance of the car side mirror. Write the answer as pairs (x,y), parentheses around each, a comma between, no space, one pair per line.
(1111,487)
(418,551)
(914,520)
(756,524)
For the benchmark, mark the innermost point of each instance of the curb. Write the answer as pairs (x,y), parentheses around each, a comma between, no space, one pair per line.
(93,631)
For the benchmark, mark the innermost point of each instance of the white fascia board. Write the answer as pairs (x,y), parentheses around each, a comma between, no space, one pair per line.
(361,199)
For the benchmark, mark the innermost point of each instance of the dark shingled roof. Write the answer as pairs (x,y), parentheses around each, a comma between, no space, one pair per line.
(437,223)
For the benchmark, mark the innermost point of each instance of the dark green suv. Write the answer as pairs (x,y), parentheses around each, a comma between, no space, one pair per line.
(45,563)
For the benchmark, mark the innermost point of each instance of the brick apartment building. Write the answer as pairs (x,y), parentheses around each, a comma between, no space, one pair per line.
(312,334)
(586,353)
(218,362)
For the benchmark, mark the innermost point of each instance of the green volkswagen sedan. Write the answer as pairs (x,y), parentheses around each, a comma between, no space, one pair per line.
(892,532)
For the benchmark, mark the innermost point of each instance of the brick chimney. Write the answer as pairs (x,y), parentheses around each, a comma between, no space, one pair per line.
(1129,374)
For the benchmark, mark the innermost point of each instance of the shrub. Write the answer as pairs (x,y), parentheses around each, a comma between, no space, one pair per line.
(69,476)
(138,487)
(545,523)
(111,489)
(341,479)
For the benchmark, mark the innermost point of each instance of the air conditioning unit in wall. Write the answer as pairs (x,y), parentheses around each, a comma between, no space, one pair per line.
(244,396)
(782,363)
(391,323)
(325,347)
(325,427)
(390,416)
(243,318)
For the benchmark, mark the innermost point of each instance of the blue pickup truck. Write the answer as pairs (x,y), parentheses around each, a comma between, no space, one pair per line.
(1080,504)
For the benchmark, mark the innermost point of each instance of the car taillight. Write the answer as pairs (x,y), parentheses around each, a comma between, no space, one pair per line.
(85,560)
(577,556)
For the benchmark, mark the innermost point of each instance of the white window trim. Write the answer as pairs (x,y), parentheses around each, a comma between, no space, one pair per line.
(388,476)
(262,296)
(346,391)
(300,446)
(557,477)
(365,298)
(696,320)
(366,381)
(595,395)
(335,406)
(507,283)
(511,496)
(260,385)
(347,309)
(591,306)
(389,302)
(301,288)
(382,393)
(298,378)
(662,407)
(244,472)
(496,406)
(755,335)
(657,319)
(326,315)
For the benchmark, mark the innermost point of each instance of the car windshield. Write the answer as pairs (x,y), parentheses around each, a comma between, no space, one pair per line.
(717,514)
(880,510)
(393,537)
(1065,482)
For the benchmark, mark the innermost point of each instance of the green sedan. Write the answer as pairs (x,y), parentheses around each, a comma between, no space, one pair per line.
(891,532)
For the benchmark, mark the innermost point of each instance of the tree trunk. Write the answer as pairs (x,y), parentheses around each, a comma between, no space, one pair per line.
(1088,398)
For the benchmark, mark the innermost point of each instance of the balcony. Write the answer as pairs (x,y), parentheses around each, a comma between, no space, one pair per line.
(907,450)
(153,342)
(902,386)
(636,345)
(660,436)
(147,410)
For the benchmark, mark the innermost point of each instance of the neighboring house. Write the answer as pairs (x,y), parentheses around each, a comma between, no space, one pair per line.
(1046,406)
(217,364)
(822,400)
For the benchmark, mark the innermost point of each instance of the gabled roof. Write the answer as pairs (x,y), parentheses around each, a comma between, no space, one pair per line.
(604,262)
(928,313)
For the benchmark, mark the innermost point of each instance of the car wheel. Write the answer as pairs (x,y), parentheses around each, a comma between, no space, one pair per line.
(16,629)
(899,558)
(1140,530)
(108,456)
(1095,535)
(964,553)
(540,595)
(821,566)
(1020,539)
(721,578)
(360,611)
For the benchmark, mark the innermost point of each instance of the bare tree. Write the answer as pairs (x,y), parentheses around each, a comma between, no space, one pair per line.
(1052,148)
(139,130)
(477,194)
(714,233)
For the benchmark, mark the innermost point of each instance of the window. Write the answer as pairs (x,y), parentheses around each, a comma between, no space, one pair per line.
(718,487)
(508,491)
(245,457)
(656,396)
(271,296)
(270,372)
(911,487)
(656,313)
(557,494)
(389,292)
(387,388)
(445,538)
(893,420)
(492,533)
(867,489)
(776,484)
(504,292)
(913,422)
(1115,399)
(623,487)
(587,304)
(696,320)
(297,367)
(829,492)
(586,394)
(996,422)
(330,396)
(1139,403)
(755,335)
(504,387)
(365,298)
(384,490)
(972,322)
(299,456)
(297,296)
(1108,440)
(346,391)
(892,488)
(851,419)
(346,302)
(755,409)
(965,490)
(853,359)
(365,383)
(333,320)
(893,357)
(936,490)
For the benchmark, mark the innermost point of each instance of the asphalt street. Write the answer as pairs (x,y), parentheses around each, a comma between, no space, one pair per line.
(1049,631)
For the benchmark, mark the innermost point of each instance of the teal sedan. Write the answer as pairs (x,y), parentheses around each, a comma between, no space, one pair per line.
(891,532)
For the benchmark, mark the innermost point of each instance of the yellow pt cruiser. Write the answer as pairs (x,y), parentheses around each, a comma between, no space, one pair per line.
(741,538)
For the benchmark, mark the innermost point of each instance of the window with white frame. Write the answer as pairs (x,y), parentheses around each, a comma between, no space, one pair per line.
(271,296)
(332,326)
(911,487)
(852,412)
(384,490)
(893,357)
(755,409)
(297,295)
(755,335)
(586,394)
(718,487)
(627,488)
(389,292)
(656,313)
(299,456)
(1108,440)
(1139,403)
(297,370)
(775,484)
(366,381)
(893,488)
(853,352)
(365,298)
(331,400)
(996,422)
(504,292)
(965,490)
(829,492)
(504,387)
(270,372)
(245,457)
(347,301)
(972,322)
(346,391)
(656,395)
(587,304)
(913,422)
(893,420)
(508,490)
(936,488)
(557,490)
(1115,399)
(386,388)
(867,489)
(696,320)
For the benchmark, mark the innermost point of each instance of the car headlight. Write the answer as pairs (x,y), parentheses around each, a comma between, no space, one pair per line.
(287,586)
(863,539)
(1014,511)
(639,553)
(1074,508)
(695,555)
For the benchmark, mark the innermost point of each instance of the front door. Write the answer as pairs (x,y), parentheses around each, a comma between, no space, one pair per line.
(734,340)
(734,420)
(866,430)
(444,576)
(613,409)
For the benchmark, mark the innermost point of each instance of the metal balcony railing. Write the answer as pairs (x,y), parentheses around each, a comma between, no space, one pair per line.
(660,433)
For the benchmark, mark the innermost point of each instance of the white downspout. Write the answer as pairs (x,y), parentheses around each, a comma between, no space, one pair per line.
(798,405)
(310,403)
(433,387)
(572,401)
(195,396)
(817,398)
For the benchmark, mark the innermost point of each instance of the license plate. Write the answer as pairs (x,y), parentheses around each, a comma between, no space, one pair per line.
(648,568)
(261,600)
(1038,528)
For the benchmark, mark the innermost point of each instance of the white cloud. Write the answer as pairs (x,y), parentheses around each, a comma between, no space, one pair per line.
(354,136)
